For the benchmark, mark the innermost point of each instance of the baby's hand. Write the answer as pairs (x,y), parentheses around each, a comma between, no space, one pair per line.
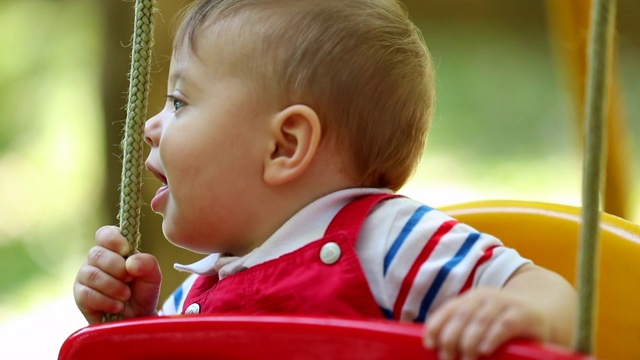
(107,283)
(479,321)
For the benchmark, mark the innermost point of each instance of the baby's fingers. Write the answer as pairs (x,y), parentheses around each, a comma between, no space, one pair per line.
(103,283)
(146,286)
(476,330)
(445,328)
(436,323)
(93,304)
(109,262)
(109,237)
(510,324)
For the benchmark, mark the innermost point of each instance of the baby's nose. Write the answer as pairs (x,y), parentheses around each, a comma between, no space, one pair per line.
(152,130)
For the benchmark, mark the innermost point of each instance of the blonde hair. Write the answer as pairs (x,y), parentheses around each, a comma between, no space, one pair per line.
(360,64)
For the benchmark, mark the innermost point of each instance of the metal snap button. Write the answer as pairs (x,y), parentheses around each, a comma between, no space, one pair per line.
(193,309)
(330,253)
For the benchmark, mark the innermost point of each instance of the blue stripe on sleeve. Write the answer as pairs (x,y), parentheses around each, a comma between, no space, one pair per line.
(406,230)
(177,298)
(387,313)
(443,273)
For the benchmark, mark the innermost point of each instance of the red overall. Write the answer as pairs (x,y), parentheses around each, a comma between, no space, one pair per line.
(299,282)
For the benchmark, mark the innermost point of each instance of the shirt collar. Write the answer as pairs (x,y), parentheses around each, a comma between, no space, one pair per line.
(308,225)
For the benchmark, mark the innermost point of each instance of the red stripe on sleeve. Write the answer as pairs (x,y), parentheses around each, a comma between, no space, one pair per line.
(431,244)
(486,256)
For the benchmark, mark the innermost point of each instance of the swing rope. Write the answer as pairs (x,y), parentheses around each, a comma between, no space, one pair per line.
(600,52)
(133,141)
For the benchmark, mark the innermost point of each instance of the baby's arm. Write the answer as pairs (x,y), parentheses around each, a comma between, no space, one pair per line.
(107,283)
(535,304)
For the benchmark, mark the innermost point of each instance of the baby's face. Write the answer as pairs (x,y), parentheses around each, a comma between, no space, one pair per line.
(207,147)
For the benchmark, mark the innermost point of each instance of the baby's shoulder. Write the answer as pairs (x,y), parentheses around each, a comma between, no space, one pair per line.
(403,220)
(403,210)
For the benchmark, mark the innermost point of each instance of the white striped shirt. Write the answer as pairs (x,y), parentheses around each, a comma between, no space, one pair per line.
(414,257)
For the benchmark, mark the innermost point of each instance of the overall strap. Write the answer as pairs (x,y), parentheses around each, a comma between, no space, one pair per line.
(350,218)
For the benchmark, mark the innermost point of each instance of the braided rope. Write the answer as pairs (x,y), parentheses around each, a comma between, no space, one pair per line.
(600,50)
(133,141)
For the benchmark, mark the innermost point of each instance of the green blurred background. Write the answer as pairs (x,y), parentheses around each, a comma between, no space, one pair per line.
(504,129)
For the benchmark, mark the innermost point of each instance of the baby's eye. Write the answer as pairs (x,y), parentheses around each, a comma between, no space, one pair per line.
(177,104)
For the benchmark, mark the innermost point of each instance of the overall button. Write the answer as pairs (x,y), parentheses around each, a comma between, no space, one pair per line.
(330,253)
(193,309)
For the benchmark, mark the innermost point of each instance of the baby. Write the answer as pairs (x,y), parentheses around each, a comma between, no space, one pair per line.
(288,126)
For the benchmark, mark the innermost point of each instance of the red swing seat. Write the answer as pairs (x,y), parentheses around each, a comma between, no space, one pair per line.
(268,337)
(533,228)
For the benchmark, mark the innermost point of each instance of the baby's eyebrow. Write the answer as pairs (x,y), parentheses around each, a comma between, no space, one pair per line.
(178,71)
(176,75)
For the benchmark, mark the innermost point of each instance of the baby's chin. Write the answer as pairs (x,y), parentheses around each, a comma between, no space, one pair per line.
(174,236)
(198,244)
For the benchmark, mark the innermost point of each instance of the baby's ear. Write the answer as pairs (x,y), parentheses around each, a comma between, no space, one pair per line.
(295,137)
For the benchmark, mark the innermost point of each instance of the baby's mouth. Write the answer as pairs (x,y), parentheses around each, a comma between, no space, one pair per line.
(159,200)
(157,174)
